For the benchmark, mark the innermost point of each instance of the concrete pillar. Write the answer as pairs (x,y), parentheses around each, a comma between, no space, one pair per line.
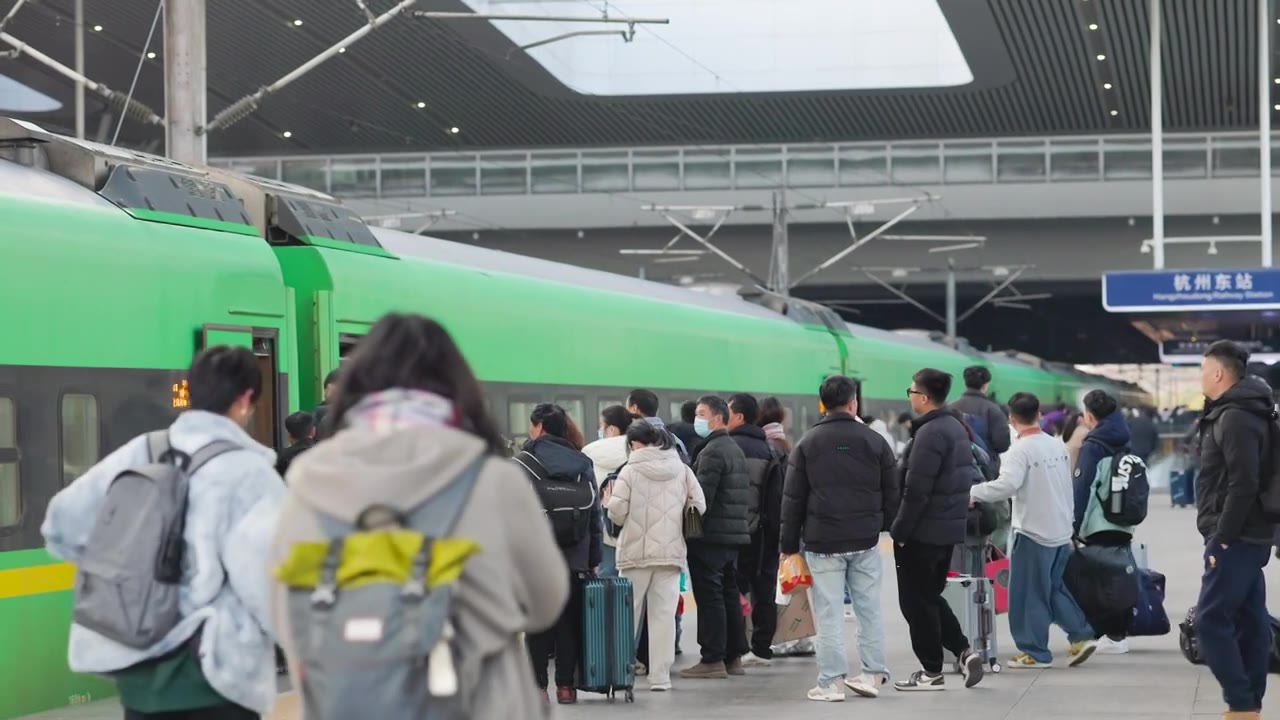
(185,95)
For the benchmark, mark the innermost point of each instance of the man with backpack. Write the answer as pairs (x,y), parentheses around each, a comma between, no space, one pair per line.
(988,422)
(176,521)
(758,562)
(1105,449)
(1235,514)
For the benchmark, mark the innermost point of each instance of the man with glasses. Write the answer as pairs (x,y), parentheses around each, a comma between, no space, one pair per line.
(939,471)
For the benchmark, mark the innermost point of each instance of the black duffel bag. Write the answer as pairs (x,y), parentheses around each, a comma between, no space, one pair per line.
(1104,582)
(1189,642)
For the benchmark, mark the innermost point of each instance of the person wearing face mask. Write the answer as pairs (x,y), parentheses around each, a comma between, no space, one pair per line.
(721,468)
(229,675)
(608,454)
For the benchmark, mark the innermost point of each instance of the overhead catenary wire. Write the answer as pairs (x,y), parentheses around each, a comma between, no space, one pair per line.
(142,58)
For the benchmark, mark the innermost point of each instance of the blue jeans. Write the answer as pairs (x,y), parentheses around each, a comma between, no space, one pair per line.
(1232,621)
(1038,597)
(858,573)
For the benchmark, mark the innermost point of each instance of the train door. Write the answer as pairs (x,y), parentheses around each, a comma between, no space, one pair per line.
(269,411)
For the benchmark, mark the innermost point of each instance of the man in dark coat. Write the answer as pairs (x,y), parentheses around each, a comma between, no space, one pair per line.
(939,472)
(841,492)
(975,403)
(758,561)
(301,427)
(721,468)
(1232,622)
(1144,437)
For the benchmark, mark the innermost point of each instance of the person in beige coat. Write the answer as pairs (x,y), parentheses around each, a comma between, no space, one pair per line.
(649,501)
(409,418)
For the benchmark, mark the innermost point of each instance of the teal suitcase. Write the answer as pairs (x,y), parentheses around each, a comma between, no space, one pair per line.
(608,637)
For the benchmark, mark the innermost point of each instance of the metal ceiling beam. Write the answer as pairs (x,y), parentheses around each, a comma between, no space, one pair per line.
(905,297)
(1264,122)
(440,15)
(705,241)
(985,298)
(14,11)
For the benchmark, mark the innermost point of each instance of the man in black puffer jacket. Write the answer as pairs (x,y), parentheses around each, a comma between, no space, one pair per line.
(939,471)
(1235,449)
(758,561)
(713,560)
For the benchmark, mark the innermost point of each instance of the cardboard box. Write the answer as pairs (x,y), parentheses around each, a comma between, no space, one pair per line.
(795,621)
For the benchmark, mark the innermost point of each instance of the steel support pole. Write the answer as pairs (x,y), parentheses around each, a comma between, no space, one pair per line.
(779,272)
(185,97)
(1157,140)
(79,30)
(951,301)
(1264,123)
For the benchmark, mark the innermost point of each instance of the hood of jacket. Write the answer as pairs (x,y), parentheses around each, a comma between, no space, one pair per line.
(1111,431)
(1251,394)
(345,474)
(657,465)
(607,455)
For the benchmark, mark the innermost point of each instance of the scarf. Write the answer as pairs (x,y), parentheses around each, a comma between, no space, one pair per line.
(397,408)
(774,431)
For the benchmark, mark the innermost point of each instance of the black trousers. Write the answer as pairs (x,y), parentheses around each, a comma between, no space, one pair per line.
(562,640)
(722,632)
(758,579)
(922,576)
(221,712)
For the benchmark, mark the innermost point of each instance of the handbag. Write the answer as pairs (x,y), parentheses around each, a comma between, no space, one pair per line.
(692,523)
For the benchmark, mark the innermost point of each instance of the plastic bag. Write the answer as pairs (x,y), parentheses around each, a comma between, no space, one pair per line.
(780,598)
(793,574)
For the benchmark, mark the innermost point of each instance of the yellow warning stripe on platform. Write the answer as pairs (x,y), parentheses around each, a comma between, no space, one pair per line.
(57,577)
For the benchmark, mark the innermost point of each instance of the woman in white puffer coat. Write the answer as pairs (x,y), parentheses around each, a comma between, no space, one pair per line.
(649,501)
(608,454)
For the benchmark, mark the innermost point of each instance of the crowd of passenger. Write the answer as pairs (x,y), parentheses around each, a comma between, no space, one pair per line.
(720,495)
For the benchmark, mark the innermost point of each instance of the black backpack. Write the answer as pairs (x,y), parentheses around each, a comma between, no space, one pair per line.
(567,502)
(760,472)
(609,526)
(1123,489)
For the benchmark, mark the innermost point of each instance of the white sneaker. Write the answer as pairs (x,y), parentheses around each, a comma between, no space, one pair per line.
(867,684)
(660,687)
(1107,646)
(827,694)
(753,660)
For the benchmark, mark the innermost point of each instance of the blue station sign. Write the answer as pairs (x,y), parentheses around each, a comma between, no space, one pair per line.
(1180,290)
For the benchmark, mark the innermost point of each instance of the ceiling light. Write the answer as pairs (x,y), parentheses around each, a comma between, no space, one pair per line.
(297,23)
(1093,26)
(1213,248)
(1115,113)
(1101,57)
(454,130)
(151,56)
(1106,86)
(287,134)
(1277,81)
(1277,107)
(97,28)
(421,104)
(341,50)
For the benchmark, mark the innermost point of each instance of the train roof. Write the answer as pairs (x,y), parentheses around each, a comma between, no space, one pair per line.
(432,248)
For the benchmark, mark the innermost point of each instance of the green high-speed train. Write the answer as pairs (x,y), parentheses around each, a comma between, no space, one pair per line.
(115,267)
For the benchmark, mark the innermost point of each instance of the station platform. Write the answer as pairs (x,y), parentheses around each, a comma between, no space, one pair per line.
(1152,682)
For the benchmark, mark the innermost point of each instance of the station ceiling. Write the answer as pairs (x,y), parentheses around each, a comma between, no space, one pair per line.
(1039,67)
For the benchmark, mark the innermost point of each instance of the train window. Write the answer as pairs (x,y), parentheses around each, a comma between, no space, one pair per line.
(80,435)
(10,488)
(518,421)
(574,407)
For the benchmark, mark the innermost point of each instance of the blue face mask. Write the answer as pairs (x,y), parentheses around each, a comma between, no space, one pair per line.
(600,433)
(702,427)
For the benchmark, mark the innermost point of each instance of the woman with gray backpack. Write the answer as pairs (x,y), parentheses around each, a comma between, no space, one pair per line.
(411,556)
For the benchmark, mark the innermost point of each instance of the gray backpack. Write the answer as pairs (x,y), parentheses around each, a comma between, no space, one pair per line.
(127,580)
(370,645)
